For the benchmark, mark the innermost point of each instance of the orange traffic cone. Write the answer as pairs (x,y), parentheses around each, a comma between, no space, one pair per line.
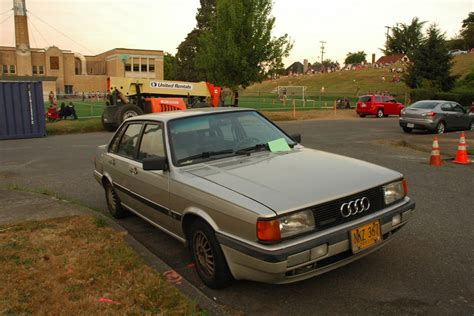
(435,159)
(461,154)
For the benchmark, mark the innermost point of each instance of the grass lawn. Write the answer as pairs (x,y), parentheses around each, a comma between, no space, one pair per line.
(74,126)
(77,265)
(84,109)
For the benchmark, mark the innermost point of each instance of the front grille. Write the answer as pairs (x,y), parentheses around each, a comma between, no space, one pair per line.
(328,214)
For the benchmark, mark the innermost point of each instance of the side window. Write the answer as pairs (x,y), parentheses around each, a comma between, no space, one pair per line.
(152,142)
(386,99)
(447,107)
(129,141)
(115,141)
(458,108)
(378,98)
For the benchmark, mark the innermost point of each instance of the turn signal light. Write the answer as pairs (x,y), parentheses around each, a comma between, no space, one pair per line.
(268,230)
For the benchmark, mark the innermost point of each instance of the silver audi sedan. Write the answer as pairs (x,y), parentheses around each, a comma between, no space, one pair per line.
(246,198)
(436,116)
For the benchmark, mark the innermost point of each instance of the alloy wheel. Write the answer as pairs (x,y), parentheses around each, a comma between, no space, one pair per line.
(203,253)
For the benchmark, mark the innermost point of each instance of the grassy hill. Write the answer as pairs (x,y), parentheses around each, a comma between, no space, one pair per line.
(336,85)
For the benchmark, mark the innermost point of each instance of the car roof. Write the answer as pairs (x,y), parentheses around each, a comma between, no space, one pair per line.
(171,115)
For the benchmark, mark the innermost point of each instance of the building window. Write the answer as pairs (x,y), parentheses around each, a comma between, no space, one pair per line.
(151,65)
(143,67)
(41,70)
(54,62)
(35,70)
(12,69)
(68,89)
(5,69)
(128,67)
(136,67)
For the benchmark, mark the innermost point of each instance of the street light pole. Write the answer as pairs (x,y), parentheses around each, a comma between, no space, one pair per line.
(387,34)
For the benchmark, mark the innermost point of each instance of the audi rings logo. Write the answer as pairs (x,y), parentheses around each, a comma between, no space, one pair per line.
(355,207)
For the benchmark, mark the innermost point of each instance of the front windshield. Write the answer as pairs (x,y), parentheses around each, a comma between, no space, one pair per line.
(219,135)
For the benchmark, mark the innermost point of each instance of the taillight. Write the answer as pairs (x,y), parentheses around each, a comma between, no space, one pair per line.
(268,230)
(430,114)
(405,186)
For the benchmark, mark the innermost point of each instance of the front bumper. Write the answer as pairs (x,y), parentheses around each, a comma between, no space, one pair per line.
(418,123)
(293,263)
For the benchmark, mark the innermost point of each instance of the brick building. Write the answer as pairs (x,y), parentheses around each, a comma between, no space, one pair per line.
(68,72)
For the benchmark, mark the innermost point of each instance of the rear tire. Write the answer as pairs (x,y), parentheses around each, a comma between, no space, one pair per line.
(127,111)
(471,126)
(208,257)
(113,202)
(440,128)
(362,115)
(380,113)
(407,129)
(108,126)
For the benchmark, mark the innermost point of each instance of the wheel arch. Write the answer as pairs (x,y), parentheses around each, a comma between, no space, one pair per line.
(192,214)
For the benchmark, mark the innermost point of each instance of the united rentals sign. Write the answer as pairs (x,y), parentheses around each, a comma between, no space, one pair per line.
(171,85)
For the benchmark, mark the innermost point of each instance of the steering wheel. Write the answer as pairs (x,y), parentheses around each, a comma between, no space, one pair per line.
(246,142)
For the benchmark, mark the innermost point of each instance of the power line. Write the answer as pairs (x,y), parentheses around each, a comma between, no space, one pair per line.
(44,39)
(60,32)
(6,11)
(8,17)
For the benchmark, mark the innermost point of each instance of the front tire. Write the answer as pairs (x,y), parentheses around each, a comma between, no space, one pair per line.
(208,257)
(380,113)
(108,126)
(113,202)
(362,115)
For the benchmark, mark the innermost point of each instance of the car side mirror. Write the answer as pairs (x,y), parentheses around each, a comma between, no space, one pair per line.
(296,137)
(154,163)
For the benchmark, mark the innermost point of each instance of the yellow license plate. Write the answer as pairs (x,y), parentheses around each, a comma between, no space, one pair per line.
(365,236)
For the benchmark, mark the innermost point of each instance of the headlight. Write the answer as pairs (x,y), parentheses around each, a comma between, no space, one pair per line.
(296,223)
(286,226)
(394,191)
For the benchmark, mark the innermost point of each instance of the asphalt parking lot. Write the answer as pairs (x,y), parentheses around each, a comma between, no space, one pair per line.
(427,268)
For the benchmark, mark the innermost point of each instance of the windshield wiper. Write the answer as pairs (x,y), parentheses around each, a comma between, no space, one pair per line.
(248,150)
(206,154)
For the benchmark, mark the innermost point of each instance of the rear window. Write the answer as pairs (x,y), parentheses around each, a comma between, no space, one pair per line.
(365,98)
(428,105)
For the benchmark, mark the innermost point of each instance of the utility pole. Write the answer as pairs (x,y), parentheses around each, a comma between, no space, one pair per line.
(322,55)
(388,30)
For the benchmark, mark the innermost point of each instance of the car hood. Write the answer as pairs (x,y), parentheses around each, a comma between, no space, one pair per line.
(289,181)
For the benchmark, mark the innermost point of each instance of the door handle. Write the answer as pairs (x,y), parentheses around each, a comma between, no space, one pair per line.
(133,170)
(112,161)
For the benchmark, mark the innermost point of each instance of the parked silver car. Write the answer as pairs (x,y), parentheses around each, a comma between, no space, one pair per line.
(247,199)
(436,116)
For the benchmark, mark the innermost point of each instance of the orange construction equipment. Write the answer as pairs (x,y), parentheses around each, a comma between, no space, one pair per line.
(164,104)
(435,159)
(461,154)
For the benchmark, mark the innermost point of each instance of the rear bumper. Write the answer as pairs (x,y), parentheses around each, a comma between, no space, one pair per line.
(418,123)
(300,261)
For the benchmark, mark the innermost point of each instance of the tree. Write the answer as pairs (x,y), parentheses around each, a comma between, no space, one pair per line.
(168,66)
(467,31)
(431,63)
(185,68)
(239,48)
(405,38)
(355,58)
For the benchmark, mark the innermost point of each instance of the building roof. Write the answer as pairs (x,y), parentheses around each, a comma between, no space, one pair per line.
(390,59)
(295,67)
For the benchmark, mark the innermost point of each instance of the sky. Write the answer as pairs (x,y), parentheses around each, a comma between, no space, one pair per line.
(94,26)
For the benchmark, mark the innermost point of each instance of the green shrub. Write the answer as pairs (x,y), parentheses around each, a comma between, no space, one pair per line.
(421,94)
(463,97)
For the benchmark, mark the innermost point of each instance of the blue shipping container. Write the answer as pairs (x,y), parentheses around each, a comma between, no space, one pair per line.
(21,110)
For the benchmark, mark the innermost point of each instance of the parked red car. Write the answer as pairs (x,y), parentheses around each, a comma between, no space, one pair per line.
(378,105)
